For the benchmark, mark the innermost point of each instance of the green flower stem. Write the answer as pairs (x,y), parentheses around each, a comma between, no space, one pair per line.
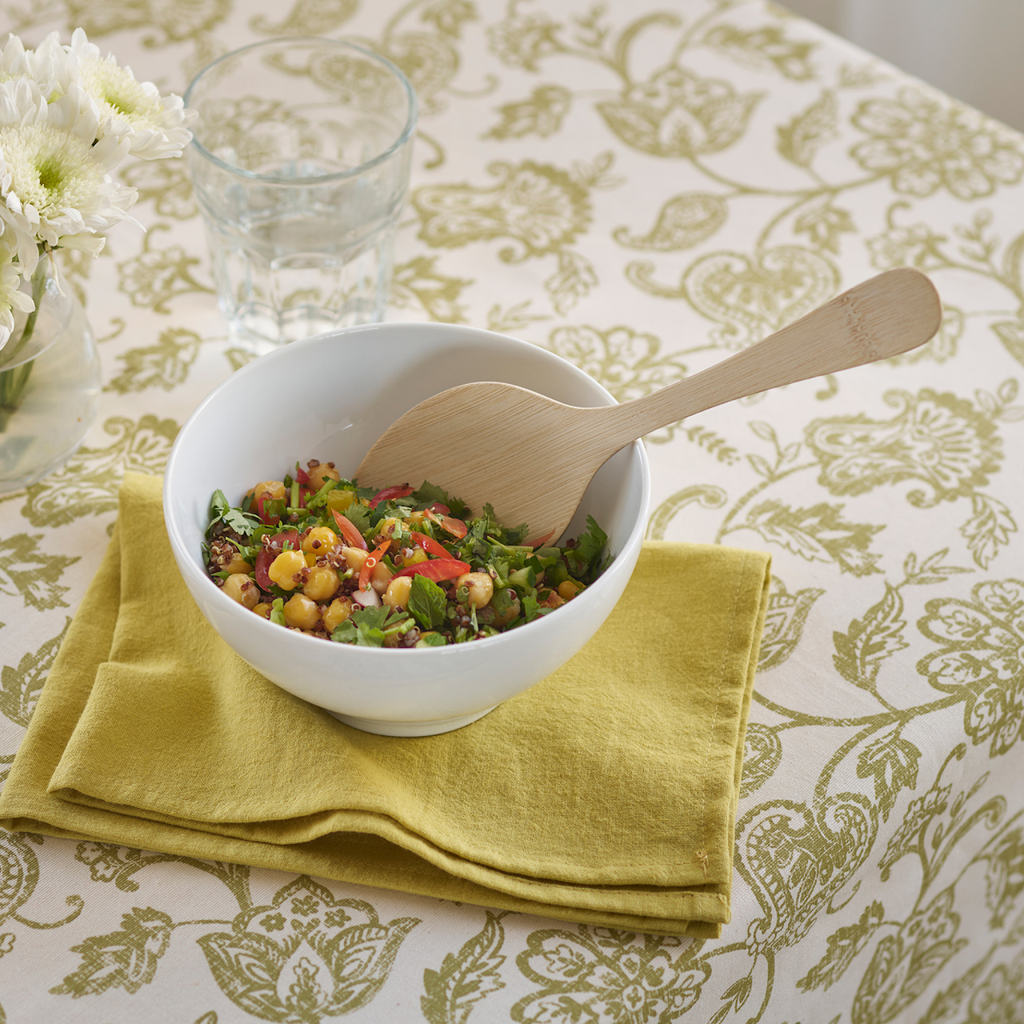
(14,381)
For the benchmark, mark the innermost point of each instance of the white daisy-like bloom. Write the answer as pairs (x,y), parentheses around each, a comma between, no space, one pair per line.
(49,65)
(155,126)
(11,296)
(55,178)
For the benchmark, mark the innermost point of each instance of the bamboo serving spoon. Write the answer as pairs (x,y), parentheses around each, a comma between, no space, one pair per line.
(532,458)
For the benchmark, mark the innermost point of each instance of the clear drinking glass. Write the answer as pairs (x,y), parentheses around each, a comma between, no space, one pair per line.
(300,163)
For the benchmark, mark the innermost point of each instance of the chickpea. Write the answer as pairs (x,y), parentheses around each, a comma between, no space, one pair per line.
(285,568)
(414,519)
(512,609)
(354,557)
(322,583)
(263,609)
(398,592)
(237,564)
(320,473)
(302,612)
(240,588)
(568,589)
(386,528)
(479,585)
(411,556)
(319,540)
(380,577)
(275,488)
(340,498)
(335,613)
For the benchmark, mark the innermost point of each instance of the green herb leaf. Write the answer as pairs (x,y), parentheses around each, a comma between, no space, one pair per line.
(359,516)
(370,627)
(586,555)
(429,493)
(427,602)
(432,640)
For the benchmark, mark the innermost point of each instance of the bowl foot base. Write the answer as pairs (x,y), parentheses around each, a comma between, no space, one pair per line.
(431,728)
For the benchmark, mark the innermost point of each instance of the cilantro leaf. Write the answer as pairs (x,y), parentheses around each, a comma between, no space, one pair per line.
(427,602)
(586,555)
(359,516)
(370,627)
(236,519)
(432,640)
(428,493)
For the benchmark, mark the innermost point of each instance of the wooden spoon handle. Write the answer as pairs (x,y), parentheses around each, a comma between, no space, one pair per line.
(881,317)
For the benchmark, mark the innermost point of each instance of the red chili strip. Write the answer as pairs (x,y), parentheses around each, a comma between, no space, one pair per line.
(456,527)
(352,536)
(431,546)
(399,491)
(370,564)
(436,569)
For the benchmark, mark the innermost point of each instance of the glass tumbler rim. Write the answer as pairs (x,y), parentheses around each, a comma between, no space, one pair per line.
(323,179)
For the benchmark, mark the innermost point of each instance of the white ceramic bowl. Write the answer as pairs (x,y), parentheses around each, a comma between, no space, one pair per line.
(329,398)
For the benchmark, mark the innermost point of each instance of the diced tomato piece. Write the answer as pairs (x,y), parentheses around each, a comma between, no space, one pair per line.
(268,554)
(456,527)
(431,546)
(370,564)
(540,541)
(265,517)
(301,475)
(352,536)
(438,507)
(399,491)
(436,569)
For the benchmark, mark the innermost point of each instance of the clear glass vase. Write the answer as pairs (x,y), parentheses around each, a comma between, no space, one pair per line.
(49,383)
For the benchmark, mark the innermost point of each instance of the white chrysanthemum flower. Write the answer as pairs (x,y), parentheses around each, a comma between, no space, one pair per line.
(155,126)
(54,174)
(49,65)
(11,296)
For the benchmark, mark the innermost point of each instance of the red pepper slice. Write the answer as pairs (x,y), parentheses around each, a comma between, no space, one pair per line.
(268,554)
(370,564)
(399,491)
(540,541)
(352,536)
(431,546)
(267,520)
(438,507)
(456,527)
(436,569)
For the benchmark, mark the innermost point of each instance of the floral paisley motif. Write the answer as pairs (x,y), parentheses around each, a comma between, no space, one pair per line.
(982,656)
(924,144)
(306,956)
(676,113)
(177,21)
(796,863)
(536,205)
(905,963)
(608,974)
(430,63)
(625,362)
(936,438)
(997,999)
(522,40)
(753,297)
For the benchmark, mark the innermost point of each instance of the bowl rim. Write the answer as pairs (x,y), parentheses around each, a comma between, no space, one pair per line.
(190,569)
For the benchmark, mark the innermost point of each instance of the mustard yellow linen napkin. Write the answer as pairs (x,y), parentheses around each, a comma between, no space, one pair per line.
(604,795)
